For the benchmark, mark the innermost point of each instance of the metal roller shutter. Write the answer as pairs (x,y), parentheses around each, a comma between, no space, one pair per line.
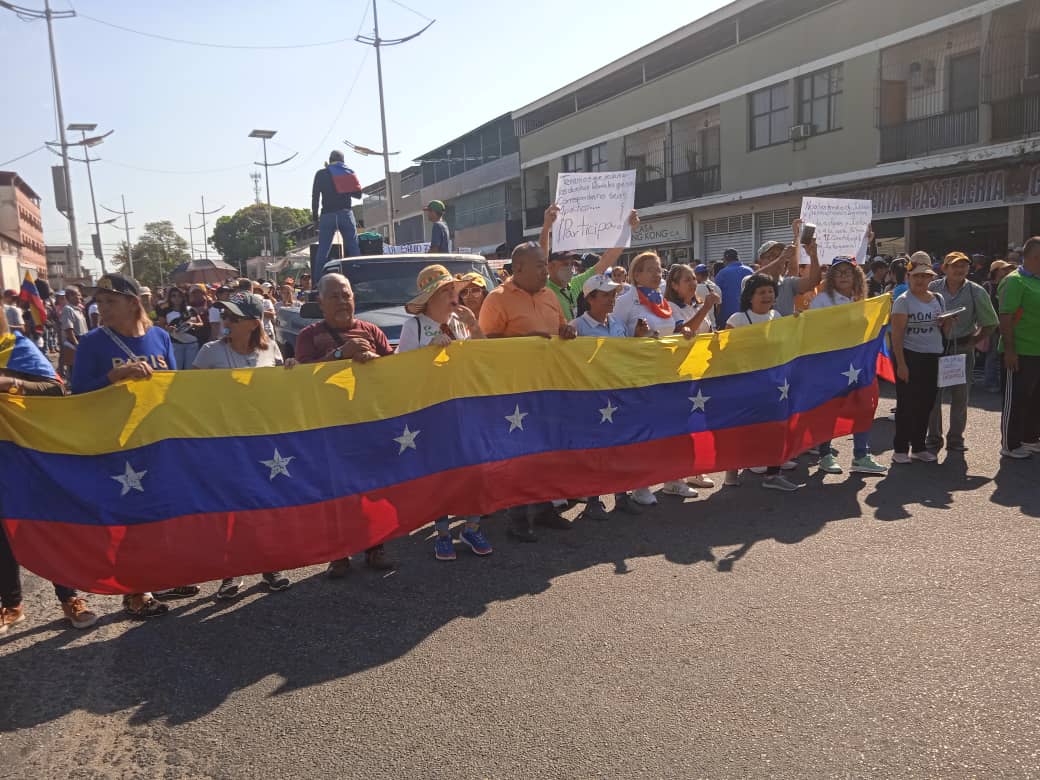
(775,226)
(726,232)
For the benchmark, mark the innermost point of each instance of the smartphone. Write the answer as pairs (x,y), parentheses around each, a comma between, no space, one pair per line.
(808,233)
(951,313)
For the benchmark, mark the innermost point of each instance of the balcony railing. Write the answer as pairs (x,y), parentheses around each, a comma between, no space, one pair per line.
(535,216)
(650,192)
(920,137)
(694,184)
(1016,117)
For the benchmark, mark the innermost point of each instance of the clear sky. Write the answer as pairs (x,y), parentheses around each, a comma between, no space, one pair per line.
(188,110)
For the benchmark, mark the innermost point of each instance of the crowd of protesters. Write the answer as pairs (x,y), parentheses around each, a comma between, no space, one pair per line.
(987,311)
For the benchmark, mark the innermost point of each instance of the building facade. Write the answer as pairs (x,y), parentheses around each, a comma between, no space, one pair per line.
(931,109)
(20,222)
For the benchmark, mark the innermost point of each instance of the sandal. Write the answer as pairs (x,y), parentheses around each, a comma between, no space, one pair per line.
(148,607)
(182,592)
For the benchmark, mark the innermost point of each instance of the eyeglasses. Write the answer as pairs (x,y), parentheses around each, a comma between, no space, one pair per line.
(472,291)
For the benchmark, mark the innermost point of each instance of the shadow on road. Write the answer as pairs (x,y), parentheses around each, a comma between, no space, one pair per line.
(184,666)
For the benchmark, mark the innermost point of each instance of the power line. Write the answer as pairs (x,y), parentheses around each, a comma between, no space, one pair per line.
(179,173)
(407,8)
(339,113)
(22,156)
(209,45)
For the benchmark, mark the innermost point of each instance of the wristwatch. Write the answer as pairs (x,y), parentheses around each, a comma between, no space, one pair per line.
(338,354)
(16,388)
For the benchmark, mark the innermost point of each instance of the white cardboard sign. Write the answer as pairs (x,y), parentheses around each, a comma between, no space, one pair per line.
(841,227)
(594,210)
(953,370)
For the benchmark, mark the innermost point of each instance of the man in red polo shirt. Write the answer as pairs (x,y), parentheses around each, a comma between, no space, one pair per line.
(340,336)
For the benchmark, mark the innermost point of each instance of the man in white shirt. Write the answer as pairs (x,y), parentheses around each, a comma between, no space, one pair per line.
(13,311)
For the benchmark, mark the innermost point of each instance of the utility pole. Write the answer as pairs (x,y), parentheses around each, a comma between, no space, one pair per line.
(191,235)
(50,16)
(205,238)
(86,143)
(126,226)
(378,43)
(255,176)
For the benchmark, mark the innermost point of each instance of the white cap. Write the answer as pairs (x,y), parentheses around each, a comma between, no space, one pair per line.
(599,283)
(172,317)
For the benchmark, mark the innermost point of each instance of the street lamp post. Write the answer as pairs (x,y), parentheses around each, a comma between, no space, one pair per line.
(265,136)
(126,226)
(204,213)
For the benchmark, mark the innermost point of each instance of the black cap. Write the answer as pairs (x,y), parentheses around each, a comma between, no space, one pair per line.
(730,254)
(118,283)
(564,256)
(247,305)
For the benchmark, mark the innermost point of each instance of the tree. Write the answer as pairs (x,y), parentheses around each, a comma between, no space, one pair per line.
(244,234)
(157,252)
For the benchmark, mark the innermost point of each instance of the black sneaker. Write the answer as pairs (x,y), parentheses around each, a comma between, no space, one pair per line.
(183,592)
(229,588)
(623,503)
(549,518)
(275,580)
(594,510)
(338,569)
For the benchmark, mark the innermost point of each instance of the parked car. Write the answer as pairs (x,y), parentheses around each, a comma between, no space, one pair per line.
(382,284)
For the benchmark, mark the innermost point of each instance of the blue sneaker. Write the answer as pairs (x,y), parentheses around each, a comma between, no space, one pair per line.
(444,548)
(476,540)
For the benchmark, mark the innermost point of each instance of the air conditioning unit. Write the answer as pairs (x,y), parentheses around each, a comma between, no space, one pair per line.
(800,132)
(1031,85)
(922,74)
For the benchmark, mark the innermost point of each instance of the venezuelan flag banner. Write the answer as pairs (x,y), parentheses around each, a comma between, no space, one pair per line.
(30,295)
(198,475)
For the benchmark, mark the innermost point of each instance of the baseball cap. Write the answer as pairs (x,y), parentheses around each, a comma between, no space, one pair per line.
(843,259)
(768,246)
(569,256)
(118,283)
(435,205)
(145,290)
(599,283)
(730,254)
(61,293)
(15,292)
(955,257)
(701,269)
(244,304)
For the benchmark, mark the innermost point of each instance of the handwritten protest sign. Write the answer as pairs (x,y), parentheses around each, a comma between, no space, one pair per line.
(841,227)
(594,209)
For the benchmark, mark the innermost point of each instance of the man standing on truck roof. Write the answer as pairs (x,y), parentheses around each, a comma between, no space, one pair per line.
(335,185)
(440,241)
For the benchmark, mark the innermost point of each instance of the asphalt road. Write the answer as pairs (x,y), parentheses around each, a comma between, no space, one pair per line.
(863,627)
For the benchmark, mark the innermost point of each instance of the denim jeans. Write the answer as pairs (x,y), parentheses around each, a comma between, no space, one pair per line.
(184,354)
(328,224)
(443,524)
(860,445)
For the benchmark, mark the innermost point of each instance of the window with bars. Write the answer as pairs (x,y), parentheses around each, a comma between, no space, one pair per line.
(819,99)
(597,158)
(770,116)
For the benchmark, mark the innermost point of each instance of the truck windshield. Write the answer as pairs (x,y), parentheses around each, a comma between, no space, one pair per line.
(379,284)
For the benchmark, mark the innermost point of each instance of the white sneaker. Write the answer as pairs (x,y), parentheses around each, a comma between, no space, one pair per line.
(758,469)
(924,456)
(701,481)
(901,457)
(1019,453)
(680,489)
(644,496)
(789,465)
(1031,446)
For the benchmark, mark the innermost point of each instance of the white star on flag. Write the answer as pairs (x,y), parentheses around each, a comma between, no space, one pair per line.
(784,389)
(516,419)
(130,480)
(278,465)
(407,439)
(699,401)
(608,413)
(853,374)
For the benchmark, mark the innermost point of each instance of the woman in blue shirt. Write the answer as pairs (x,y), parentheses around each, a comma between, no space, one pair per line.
(127,347)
